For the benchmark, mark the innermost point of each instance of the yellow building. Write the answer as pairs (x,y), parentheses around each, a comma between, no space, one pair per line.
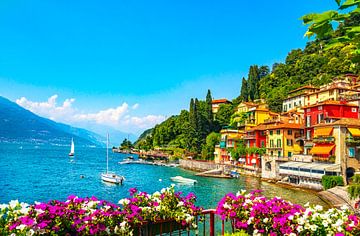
(332,91)
(215,104)
(253,114)
(282,140)
(228,140)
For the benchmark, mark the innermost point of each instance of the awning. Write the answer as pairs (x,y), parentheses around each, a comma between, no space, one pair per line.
(322,150)
(354,132)
(323,131)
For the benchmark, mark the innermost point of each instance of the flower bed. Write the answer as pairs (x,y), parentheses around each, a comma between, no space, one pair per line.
(168,210)
(258,215)
(89,216)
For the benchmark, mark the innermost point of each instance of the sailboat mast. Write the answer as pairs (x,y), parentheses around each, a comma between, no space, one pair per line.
(107,153)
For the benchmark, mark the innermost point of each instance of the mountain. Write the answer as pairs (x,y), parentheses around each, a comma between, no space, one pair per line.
(18,125)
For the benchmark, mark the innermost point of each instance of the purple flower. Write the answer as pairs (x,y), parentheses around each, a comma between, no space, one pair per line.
(132,191)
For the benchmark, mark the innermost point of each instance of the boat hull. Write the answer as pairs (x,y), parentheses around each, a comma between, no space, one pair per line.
(180,179)
(112,178)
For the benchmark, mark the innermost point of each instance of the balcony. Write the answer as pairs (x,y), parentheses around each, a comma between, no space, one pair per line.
(252,136)
(326,139)
(352,142)
(330,159)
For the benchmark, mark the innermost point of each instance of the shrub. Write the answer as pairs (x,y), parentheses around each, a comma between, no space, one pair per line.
(331,181)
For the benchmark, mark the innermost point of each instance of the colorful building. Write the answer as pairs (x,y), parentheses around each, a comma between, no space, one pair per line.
(215,104)
(228,140)
(296,98)
(253,114)
(325,112)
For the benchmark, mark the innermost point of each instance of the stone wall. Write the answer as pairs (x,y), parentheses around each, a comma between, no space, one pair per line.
(198,165)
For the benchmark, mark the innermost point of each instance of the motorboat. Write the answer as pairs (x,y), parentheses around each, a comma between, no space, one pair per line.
(181,179)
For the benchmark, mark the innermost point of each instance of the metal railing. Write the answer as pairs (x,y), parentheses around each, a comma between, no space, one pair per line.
(205,221)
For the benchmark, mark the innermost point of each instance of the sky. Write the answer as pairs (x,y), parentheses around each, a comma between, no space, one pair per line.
(129,65)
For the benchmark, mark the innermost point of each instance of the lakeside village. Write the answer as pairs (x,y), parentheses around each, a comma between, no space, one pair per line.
(317,134)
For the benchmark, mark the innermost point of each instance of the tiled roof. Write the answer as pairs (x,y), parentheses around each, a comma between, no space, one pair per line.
(303,87)
(223,100)
(286,126)
(348,122)
(331,102)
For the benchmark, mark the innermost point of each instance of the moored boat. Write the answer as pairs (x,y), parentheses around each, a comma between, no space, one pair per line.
(181,179)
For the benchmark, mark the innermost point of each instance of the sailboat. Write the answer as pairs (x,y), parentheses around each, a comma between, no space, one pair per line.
(72,150)
(110,177)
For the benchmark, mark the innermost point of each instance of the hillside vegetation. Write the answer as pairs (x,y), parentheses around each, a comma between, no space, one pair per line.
(333,53)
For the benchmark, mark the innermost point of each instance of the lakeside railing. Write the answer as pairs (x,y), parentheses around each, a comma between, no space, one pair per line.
(206,226)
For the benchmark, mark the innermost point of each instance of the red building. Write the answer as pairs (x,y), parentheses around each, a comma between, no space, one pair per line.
(255,137)
(326,112)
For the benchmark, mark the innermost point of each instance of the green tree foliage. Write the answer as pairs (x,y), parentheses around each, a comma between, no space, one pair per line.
(346,18)
(188,130)
(331,181)
(224,114)
(354,188)
(244,94)
(207,152)
(126,144)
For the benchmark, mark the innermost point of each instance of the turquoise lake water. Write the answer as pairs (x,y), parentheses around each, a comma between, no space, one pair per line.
(39,173)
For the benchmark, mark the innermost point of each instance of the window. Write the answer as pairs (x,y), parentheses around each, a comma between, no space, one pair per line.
(308,110)
(289,154)
(351,152)
(262,133)
(278,143)
(262,144)
(285,107)
(289,132)
(308,134)
(289,106)
(271,143)
(320,108)
(279,153)
(271,132)
(271,153)
(289,142)
(308,121)
(294,104)
(277,131)
(320,117)
(299,103)
(353,109)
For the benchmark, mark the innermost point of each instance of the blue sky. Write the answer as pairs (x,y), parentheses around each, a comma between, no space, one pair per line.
(138,62)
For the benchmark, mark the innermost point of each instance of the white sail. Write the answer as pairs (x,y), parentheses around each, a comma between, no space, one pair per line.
(72,150)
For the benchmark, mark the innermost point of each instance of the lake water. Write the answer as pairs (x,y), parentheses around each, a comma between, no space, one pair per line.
(39,173)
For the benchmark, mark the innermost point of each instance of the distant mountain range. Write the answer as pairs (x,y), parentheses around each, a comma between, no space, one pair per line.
(18,125)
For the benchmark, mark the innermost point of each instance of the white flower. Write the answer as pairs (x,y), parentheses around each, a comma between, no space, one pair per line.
(318,208)
(21,227)
(156,194)
(300,228)
(181,203)
(30,232)
(3,206)
(291,217)
(344,207)
(292,234)
(307,204)
(13,203)
(123,224)
(265,220)
(250,220)
(124,201)
(313,227)
(163,190)
(226,206)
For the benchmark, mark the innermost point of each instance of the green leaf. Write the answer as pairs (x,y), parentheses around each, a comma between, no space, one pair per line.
(349,3)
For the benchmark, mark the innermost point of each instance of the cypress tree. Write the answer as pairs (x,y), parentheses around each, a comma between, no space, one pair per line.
(253,82)
(209,113)
(244,93)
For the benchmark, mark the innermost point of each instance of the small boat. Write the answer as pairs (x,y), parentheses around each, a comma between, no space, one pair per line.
(107,176)
(72,149)
(181,179)
(234,174)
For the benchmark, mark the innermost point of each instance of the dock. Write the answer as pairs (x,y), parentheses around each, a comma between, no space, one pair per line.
(215,173)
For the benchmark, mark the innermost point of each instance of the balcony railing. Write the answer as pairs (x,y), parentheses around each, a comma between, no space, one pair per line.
(324,159)
(249,137)
(352,142)
(207,225)
(328,139)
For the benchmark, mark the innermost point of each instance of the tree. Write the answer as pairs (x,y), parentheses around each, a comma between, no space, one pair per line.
(244,93)
(126,144)
(354,188)
(347,32)
(253,82)
(224,114)
(207,152)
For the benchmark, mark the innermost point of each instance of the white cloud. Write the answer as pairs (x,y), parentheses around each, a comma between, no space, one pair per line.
(135,106)
(119,118)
